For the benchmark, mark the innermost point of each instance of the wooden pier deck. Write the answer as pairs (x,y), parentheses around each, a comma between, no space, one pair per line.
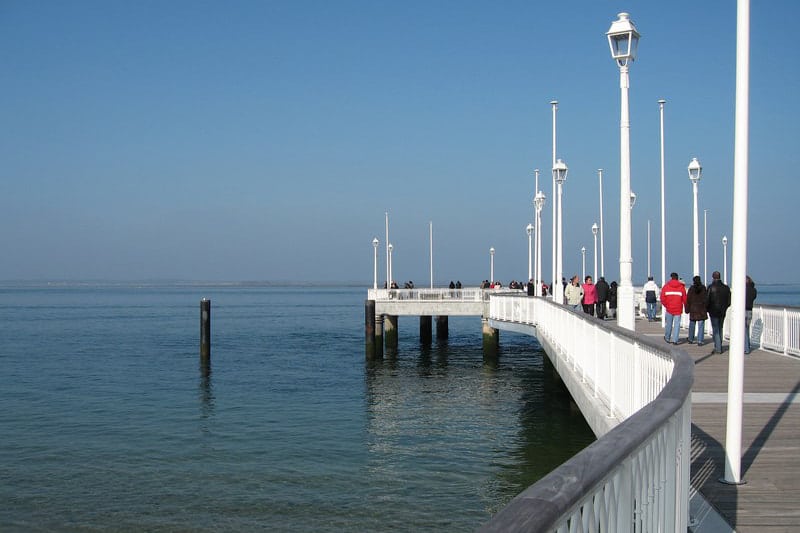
(769,501)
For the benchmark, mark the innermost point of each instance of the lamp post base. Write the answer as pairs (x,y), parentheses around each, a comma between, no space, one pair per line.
(626,316)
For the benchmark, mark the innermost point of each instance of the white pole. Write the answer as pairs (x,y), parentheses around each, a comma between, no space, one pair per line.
(705,245)
(555,282)
(602,227)
(725,260)
(538,276)
(559,253)
(491,265)
(583,263)
(648,249)
(663,222)
(536,234)
(390,265)
(733,438)
(529,231)
(388,282)
(595,257)
(695,234)
(625,311)
(375,264)
(430,226)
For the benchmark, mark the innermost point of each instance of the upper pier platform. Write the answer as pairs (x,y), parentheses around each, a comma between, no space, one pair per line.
(469,301)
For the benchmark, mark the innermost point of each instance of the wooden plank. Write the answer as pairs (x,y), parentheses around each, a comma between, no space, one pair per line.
(770,499)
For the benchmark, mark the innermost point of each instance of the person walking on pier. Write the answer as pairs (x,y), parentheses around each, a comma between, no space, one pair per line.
(589,296)
(673,298)
(612,299)
(696,307)
(650,291)
(574,293)
(750,294)
(602,297)
(718,299)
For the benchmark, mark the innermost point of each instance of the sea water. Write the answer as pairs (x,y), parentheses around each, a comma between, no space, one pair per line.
(109,421)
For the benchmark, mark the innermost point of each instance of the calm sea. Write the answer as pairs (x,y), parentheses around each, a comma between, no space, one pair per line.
(108,423)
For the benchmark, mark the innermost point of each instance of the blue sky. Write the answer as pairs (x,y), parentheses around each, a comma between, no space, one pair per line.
(266,140)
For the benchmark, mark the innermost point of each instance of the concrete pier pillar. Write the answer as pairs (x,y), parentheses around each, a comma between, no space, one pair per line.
(442,330)
(491,337)
(425,329)
(369,328)
(378,336)
(390,332)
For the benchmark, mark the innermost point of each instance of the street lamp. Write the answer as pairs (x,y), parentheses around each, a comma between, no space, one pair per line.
(695,172)
(623,39)
(705,245)
(661,103)
(389,282)
(529,230)
(491,264)
(375,264)
(560,175)
(583,263)
(539,201)
(633,199)
(725,260)
(602,246)
(594,233)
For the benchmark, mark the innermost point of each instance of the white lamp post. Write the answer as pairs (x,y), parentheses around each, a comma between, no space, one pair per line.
(556,281)
(594,233)
(695,172)
(389,282)
(375,264)
(602,246)
(663,221)
(705,245)
(583,263)
(725,260)
(649,273)
(623,40)
(529,231)
(633,199)
(491,264)
(539,201)
(560,175)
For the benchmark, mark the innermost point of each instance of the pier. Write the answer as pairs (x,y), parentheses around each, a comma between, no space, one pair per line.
(659,414)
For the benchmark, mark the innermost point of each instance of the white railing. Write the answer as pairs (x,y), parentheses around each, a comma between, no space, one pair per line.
(774,328)
(471,294)
(636,476)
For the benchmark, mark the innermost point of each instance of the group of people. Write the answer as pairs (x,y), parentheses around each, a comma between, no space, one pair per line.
(702,303)
(592,297)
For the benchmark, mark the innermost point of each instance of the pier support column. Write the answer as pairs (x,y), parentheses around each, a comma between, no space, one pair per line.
(369,328)
(491,338)
(425,329)
(390,332)
(378,336)
(442,331)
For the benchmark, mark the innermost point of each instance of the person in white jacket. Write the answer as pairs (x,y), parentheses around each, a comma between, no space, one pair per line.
(574,293)
(650,291)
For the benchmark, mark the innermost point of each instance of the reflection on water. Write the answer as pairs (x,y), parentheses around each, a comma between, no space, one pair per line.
(505,419)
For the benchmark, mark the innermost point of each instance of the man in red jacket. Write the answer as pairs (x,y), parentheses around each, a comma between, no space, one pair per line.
(673,298)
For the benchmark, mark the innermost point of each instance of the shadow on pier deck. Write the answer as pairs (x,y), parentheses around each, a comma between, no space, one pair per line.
(768,502)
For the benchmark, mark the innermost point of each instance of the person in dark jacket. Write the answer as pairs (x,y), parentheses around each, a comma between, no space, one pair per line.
(718,299)
(602,297)
(696,308)
(612,299)
(750,294)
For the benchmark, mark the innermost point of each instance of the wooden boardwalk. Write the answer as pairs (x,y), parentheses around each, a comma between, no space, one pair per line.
(769,501)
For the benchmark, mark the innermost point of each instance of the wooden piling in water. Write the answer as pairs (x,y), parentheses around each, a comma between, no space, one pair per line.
(491,338)
(442,328)
(390,332)
(425,329)
(205,330)
(369,328)
(378,336)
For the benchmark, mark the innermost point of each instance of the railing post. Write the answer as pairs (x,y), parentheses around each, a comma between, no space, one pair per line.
(785,331)
(637,378)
